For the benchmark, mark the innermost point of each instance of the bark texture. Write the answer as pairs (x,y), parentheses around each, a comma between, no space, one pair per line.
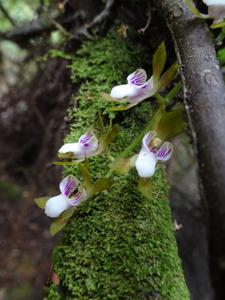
(204,96)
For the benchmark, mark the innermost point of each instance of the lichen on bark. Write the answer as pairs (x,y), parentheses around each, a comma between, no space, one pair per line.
(118,245)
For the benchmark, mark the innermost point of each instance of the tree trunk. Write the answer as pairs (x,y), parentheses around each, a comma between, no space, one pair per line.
(204,96)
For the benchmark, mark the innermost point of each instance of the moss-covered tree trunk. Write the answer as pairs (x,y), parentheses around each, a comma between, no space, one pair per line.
(118,245)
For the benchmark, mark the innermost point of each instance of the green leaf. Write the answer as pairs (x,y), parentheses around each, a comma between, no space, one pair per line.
(41,201)
(169,124)
(109,98)
(190,4)
(157,117)
(217,25)
(167,77)
(122,108)
(159,60)
(123,165)
(107,138)
(86,175)
(100,123)
(221,55)
(101,185)
(68,156)
(66,163)
(145,187)
(61,221)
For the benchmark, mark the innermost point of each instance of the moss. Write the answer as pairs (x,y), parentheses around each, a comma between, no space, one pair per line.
(118,245)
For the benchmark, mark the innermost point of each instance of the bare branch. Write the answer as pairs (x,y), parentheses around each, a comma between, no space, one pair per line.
(204,96)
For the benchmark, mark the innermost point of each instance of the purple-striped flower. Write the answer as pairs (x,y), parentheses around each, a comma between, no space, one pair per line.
(86,146)
(137,88)
(150,153)
(72,193)
(216,9)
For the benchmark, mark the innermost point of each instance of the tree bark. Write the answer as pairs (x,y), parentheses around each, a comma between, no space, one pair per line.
(204,97)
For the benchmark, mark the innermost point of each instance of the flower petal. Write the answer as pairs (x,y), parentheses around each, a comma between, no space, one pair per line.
(122,91)
(145,164)
(68,185)
(138,77)
(165,151)
(75,148)
(56,205)
(89,142)
(81,196)
(147,139)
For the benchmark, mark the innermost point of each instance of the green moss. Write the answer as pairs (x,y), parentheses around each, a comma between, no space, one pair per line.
(118,245)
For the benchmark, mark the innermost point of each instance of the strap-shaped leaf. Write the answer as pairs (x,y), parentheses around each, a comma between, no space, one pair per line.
(61,221)
(86,176)
(123,165)
(122,108)
(109,98)
(190,4)
(145,187)
(41,201)
(67,163)
(167,77)
(169,124)
(101,184)
(217,25)
(159,60)
(107,138)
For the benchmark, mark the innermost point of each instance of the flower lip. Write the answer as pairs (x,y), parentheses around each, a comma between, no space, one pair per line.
(56,205)
(145,164)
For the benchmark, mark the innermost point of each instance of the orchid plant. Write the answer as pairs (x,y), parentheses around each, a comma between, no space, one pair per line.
(138,88)
(152,142)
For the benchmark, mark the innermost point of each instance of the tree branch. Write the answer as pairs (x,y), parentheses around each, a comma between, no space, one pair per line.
(38,27)
(204,97)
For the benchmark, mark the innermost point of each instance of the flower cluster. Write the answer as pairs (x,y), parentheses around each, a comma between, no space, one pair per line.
(72,191)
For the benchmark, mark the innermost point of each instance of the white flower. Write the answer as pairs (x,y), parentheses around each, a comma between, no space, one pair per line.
(71,195)
(216,9)
(137,88)
(150,153)
(86,146)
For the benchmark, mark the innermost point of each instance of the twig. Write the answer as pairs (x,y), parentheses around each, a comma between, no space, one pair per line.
(149,17)
(204,97)
(103,15)
(100,18)
(37,27)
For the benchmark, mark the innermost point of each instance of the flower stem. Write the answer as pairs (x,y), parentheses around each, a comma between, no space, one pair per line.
(132,146)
